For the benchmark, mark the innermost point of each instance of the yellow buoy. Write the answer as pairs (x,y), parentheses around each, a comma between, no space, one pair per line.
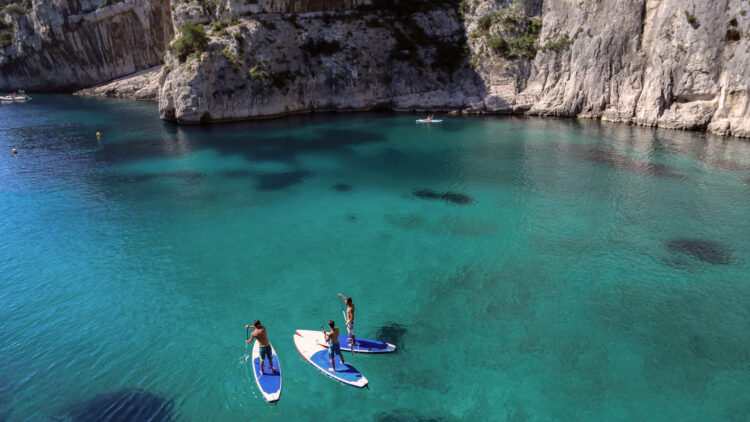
(98,134)
(15,151)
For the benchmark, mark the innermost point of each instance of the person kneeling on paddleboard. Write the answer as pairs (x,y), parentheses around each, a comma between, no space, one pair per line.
(349,319)
(265,346)
(334,348)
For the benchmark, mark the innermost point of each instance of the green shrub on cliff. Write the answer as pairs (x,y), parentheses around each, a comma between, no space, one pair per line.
(209,5)
(6,38)
(192,40)
(524,46)
(6,34)
(15,11)
(219,27)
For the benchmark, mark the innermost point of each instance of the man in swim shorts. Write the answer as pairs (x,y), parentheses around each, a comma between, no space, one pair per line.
(265,346)
(334,348)
(349,319)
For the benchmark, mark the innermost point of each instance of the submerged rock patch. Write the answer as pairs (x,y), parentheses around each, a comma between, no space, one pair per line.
(127,405)
(606,156)
(279,181)
(190,177)
(456,198)
(705,250)
(392,333)
(726,165)
(238,174)
(343,187)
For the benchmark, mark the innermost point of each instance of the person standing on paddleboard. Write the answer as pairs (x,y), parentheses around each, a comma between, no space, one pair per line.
(334,348)
(349,318)
(265,346)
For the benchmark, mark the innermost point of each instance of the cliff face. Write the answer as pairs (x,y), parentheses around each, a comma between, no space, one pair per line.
(64,45)
(670,63)
(263,65)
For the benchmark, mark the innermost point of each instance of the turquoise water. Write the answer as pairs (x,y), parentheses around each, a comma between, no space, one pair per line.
(590,272)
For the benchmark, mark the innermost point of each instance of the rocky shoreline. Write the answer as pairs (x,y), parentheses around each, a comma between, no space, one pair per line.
(670,64)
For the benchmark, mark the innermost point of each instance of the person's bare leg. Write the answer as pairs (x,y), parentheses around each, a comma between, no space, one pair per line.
(270,361)
(261,367)
(333,365)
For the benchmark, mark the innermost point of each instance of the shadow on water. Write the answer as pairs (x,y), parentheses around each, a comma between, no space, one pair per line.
(607,156)
(704,250)
(123,406)
(726,165)
(343,187)
(456,198)
(189,177)
(267,182)
(392,333)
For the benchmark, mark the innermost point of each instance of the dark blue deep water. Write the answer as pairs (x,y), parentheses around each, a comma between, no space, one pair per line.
(528,269)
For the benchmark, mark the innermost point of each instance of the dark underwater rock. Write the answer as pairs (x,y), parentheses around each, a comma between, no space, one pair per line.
(456,198)
(707,251)
(726,165)
(278,181)
(343,187)
(238,174)
(610,157)
(392,333)
(129,405)
(190,177)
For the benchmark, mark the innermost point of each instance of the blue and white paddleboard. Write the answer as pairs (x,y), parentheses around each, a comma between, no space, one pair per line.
(317,355)
(268,383)
(363,345)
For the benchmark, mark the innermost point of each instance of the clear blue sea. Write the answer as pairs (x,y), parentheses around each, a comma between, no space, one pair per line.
(528,269)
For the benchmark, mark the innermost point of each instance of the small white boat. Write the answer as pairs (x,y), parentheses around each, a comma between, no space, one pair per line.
(14,98)
(429,121)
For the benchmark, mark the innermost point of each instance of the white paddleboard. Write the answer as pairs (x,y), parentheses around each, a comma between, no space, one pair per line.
(429,121)
(363,345)
(269,383)
(317,355)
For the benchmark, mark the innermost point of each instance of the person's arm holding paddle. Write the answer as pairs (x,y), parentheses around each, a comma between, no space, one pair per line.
(249,339)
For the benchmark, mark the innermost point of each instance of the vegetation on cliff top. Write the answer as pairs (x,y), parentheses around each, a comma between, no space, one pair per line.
(193,39)
(15,9)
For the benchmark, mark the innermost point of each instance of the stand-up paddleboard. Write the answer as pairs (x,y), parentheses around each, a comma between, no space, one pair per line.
(429,121)
(268,383)
(363,345)
(317,355)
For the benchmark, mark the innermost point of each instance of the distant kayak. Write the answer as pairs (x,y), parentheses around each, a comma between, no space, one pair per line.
(268,383)
(363,345)
(317,356)
(429,121)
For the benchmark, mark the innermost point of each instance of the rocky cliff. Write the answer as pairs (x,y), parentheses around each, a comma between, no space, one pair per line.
(669,63)
(62,45)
